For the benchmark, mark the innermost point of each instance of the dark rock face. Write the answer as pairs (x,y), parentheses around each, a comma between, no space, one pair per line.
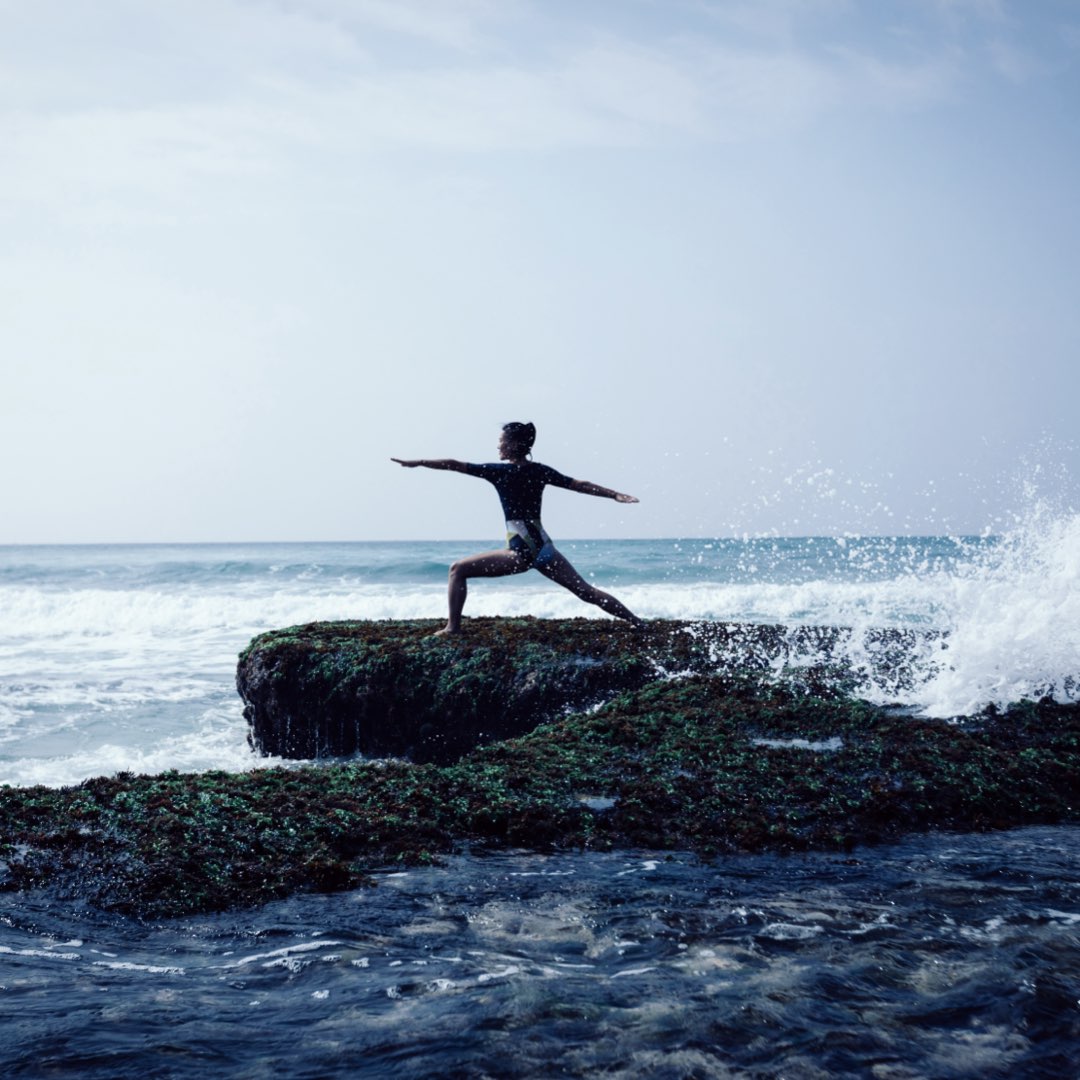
(391,689)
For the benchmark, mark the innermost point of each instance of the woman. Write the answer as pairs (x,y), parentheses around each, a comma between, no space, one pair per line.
(520,483)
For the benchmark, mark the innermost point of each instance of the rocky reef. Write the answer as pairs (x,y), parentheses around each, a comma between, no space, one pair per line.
(711,763)
(391,689)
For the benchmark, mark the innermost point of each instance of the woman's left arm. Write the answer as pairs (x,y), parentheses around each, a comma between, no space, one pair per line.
(585,488)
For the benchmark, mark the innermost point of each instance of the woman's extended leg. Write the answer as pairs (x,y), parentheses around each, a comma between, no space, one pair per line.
(557,567)
(486,564)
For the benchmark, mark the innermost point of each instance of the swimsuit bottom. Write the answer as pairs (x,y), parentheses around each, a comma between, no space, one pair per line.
(528,538)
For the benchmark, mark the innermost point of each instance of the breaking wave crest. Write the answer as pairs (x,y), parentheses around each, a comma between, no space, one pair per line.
(1013,621)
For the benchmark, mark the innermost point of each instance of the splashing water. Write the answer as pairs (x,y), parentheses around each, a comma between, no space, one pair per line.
(983,621)
(1013,621)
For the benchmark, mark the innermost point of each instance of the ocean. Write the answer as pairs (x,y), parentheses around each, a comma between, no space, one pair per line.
(940,956)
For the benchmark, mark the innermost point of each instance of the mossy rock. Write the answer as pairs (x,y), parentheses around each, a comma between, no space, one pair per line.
(701,764)
(392,689)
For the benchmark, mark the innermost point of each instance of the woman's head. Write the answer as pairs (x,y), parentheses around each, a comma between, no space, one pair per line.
(516,439)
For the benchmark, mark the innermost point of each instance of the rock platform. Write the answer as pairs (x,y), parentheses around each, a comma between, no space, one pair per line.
(629,745)
(391,689)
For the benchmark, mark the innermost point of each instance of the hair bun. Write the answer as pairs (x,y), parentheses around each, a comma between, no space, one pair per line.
(521,432)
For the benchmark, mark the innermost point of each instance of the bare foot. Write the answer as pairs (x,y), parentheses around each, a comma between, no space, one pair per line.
(446,631)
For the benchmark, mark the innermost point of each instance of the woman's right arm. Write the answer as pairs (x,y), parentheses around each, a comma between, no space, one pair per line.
(433,463)
(587,488)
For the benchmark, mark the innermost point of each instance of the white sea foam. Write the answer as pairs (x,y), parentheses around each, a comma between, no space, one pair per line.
(151,969)
(277,954)
(1008,611)
(136,623)
(43,954)
(818,746)
(218,742)
(1014,621)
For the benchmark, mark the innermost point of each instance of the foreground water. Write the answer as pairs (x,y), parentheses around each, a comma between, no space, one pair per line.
(944,956)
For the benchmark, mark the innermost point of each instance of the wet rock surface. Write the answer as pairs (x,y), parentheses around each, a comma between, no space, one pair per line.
(391,689)
(712,764)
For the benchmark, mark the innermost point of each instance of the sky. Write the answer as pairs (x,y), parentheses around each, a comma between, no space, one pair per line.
(772,266)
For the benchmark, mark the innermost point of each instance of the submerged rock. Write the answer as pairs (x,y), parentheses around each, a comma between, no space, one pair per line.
(391,689)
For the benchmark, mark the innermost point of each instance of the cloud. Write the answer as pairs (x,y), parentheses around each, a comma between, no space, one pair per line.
(134,112)
(1013,62)
(870,81)
(109,167)
(59,57)
(960,10)
(466,26)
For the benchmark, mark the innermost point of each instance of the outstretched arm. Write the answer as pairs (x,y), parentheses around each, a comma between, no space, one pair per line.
(585,488)
(432,463)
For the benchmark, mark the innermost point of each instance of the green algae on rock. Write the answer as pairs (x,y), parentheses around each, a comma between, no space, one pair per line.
(391,689)
(704,763)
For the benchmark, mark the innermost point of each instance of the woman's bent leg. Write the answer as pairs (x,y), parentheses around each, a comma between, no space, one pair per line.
(558,567)
(487,564)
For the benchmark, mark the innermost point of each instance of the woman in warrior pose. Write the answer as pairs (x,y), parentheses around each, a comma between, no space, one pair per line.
(520,483)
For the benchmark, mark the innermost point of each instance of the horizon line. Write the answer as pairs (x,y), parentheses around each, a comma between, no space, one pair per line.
(708,538)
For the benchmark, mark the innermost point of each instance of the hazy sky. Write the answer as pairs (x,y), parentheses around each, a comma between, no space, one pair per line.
(797,265)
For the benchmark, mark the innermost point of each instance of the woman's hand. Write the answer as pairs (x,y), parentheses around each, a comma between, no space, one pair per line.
(626,498)
(407,464)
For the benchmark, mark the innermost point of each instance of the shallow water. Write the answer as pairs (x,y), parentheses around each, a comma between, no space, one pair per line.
(942,956)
